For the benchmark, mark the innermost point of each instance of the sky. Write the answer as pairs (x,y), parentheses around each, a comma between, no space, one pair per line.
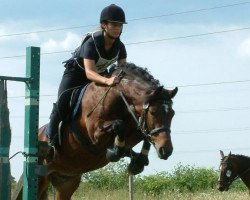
(203,47)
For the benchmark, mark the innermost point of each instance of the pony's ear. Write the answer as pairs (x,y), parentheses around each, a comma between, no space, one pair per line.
(172,93)
(158,91)
(229,154)
(222,154)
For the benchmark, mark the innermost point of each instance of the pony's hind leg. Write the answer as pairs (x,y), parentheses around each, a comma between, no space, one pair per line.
(42,188)
(65,186)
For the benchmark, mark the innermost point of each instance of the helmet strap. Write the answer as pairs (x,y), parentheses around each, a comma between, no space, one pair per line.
(109,36)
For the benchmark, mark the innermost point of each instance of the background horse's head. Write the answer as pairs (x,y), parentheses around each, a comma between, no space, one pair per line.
(227,172)
(151,104)
(233,167)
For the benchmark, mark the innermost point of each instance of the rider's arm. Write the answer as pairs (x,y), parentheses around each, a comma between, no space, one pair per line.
(122,61)
(94,76)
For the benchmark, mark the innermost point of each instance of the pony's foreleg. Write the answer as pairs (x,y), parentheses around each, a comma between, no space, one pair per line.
(139,160)
(43,183)
(115,153)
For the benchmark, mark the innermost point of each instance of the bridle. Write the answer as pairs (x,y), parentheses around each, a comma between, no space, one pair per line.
(230,179)
(141,122)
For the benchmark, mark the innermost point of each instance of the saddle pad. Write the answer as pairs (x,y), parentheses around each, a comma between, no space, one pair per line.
(78,103)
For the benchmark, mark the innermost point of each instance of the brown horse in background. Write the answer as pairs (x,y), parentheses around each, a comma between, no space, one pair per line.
(233,167)
(138,102)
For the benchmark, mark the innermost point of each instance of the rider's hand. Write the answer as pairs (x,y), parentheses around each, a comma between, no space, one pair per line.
(113,81)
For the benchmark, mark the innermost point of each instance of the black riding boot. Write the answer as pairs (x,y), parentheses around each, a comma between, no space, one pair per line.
(53,125)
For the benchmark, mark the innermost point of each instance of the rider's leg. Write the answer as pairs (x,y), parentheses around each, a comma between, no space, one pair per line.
(52,130)
(61,108)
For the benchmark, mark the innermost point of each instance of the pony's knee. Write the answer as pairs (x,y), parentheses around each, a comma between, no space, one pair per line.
(118,128)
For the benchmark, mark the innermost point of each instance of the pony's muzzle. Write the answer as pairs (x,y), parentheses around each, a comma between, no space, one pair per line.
(222,187)
(165,152)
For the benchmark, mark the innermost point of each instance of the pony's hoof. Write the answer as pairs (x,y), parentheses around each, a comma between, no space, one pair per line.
(139,159)
(114,154)
(134,169)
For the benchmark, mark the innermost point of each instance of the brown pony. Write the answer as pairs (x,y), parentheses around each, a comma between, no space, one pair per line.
(138,104)
(233,167)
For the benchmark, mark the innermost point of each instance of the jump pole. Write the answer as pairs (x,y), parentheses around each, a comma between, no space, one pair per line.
(32,85)
(30,178)
(5,137)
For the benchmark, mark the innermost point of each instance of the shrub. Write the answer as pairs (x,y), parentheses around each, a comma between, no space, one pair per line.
(182,179)
(189,178)
(152,184)
(113,176)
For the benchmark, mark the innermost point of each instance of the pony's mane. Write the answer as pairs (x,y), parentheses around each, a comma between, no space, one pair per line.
(243,157)
(138,72)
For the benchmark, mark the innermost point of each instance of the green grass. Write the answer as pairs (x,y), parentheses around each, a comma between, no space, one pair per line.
(91,194)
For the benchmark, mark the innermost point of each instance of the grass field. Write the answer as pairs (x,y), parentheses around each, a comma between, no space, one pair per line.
(124,195)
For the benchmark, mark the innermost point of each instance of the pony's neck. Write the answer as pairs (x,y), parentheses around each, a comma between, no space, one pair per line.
(243,169)
(240,167)
(246,178)
(135,91)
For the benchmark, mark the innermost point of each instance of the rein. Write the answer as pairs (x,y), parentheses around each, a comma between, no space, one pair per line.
(120,75)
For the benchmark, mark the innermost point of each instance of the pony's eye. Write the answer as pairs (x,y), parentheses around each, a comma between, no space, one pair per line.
(229,173)
(153,113)
(154,110)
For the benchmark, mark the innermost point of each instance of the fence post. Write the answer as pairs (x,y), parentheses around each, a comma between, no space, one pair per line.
(131,187)
(30,179)
(5,137)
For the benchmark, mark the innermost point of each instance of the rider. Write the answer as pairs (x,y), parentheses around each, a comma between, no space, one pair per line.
(90,62)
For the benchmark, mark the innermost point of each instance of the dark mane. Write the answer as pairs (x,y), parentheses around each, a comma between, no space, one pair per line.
(136,72)
(243,157)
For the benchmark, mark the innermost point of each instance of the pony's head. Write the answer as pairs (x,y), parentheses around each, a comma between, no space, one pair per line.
(151,104)
(159,114)
(227,172)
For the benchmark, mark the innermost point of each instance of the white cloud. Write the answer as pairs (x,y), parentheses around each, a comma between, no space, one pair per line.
(208,58)
(69,42)
(2,30)
(244,49)
(50,45)
(33,37)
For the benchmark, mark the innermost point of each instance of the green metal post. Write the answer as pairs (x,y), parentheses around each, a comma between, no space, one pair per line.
(5,137)
(31,122)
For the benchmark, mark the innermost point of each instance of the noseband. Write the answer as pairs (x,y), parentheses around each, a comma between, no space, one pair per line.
(142,121)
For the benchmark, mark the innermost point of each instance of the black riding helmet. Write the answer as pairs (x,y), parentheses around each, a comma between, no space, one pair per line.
(113,13)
